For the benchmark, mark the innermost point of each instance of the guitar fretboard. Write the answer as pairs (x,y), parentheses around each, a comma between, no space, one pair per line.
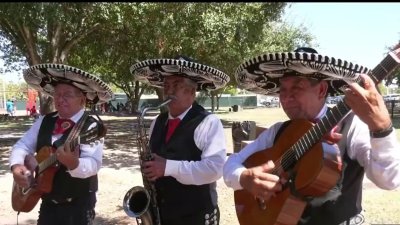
(315,134)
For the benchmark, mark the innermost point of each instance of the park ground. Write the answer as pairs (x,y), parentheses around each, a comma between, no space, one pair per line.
(120,172)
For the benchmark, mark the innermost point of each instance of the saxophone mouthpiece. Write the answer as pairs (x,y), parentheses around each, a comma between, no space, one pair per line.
(172,97)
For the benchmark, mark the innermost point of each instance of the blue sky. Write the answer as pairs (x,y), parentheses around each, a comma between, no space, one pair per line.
(356,32)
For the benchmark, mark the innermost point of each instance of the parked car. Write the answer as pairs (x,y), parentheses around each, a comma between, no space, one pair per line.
(270,102)
(333,99)
(391,97)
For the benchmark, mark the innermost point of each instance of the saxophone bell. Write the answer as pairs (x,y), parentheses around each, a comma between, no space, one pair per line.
(136,201)
(141,202)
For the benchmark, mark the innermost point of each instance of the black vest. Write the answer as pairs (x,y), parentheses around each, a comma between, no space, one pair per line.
(343,201)
(64,186)
(174,198)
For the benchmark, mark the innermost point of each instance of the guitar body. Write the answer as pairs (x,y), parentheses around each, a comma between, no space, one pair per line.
(25,199)
(315,173)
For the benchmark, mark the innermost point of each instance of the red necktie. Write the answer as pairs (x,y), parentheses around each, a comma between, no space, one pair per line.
(62,125)
(172,124)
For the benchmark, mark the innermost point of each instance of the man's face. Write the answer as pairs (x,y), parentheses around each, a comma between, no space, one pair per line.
(68,100)
(183,92)
(302,98)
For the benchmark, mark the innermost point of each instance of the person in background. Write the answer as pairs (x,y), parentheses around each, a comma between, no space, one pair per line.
(72,198)
(33,112)
(187,142)
(365,140)
(14,110)
(10,107)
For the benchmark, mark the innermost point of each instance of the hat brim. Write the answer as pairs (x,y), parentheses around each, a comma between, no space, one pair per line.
(261,74)
(153,71)
(44,77)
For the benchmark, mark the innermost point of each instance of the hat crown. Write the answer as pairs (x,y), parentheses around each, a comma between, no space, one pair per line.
(306,49)
(184,58)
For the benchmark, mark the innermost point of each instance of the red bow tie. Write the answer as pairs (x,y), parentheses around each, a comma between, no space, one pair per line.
(62,125)
(172,124)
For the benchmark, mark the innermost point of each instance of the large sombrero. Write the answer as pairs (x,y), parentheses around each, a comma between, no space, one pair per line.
(261,74)
(43,78)
(153,72)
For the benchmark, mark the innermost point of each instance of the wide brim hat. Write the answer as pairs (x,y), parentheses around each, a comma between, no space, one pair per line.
(44,77)
(261,74)
(153,71)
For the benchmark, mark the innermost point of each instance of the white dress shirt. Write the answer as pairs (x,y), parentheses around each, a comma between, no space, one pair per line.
(90,160)
(209,137)
(380,157)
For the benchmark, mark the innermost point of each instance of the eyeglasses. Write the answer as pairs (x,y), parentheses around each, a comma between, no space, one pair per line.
(66,96)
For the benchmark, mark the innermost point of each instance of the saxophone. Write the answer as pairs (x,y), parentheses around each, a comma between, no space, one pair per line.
(141,202)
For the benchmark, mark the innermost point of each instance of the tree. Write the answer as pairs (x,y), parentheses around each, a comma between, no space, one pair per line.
(34,33)
(107,38)
(216,34)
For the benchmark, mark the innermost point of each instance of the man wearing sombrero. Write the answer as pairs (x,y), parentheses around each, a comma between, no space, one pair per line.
(188,160)
(59,157)
(288,175)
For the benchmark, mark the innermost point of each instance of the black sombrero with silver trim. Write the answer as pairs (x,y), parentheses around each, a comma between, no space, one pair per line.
(43,78)
(153,72)
(261,74)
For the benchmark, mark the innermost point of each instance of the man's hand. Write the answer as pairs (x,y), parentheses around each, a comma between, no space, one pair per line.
(368,104)
(22,175)
(332,137)
(260,181)
(155,168)
(68,158)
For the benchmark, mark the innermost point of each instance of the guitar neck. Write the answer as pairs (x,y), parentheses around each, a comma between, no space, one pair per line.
(326,124)
(337,113)
(75,137)
(51,160)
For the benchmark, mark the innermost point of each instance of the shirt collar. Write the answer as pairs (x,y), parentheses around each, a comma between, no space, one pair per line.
(75,117)
(181,116)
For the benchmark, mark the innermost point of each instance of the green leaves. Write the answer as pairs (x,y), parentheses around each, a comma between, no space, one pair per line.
(107,38)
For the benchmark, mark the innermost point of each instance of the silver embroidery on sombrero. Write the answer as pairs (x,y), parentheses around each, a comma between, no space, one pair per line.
(261,74)
(153,71)
(43,77)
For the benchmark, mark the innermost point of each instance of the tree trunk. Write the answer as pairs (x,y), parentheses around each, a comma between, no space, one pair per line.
(160,95)
(212,102)
(46,104)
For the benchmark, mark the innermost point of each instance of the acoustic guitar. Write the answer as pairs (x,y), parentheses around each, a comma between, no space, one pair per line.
(299,158)
(41,177)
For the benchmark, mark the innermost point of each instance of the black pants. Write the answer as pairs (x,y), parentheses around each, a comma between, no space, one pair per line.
(79,211)
(198,218)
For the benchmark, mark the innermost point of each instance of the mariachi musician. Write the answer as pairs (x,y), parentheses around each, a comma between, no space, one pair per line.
(286,175)
(52,159)
(187,142)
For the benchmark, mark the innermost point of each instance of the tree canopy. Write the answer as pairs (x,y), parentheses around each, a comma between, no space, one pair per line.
(107,38)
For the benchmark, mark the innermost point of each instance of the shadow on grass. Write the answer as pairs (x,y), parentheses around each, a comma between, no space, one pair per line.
(120,220)
(120,145)
(120,148)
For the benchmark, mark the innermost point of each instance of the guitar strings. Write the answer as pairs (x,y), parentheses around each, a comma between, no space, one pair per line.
(310,138)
